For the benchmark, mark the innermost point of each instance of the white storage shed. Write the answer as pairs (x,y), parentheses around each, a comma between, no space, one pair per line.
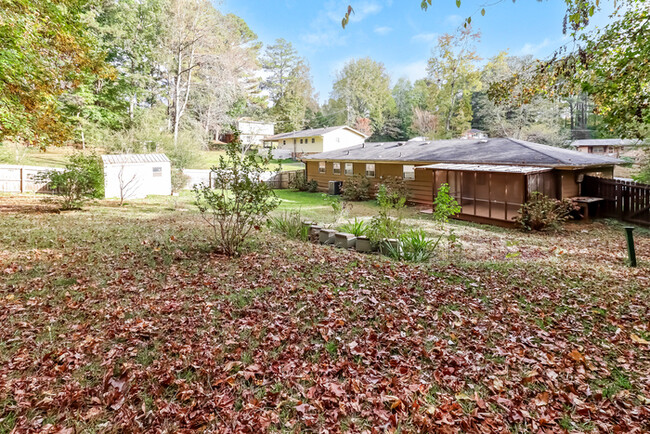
(135,176)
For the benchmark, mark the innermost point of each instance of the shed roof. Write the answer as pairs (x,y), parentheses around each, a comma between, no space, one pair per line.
(526,170)
(502,151)
(134,158)
(604,142)
(313,132)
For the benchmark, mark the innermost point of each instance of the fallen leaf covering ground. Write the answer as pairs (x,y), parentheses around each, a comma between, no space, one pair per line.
(122,320)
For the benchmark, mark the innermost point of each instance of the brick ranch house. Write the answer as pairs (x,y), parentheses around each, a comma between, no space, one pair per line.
(490,178)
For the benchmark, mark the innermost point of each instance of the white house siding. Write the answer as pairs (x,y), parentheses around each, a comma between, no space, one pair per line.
(136,179)
(340,139)
(253,133)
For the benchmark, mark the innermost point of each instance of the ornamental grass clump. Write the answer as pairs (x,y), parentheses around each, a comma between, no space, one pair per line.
(290,225)
(357,227)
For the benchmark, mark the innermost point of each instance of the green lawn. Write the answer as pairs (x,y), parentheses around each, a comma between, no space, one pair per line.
(58,157)
(117,319)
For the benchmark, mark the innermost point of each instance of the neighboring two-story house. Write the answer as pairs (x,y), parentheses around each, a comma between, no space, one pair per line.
(254,133)
(318,140)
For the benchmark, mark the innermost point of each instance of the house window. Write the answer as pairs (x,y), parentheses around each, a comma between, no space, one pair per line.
(321,167)
(349,169)
(336,168)
(408,172)
(284,142)
(313,140)
(370,170)
(157,172)
(301,141)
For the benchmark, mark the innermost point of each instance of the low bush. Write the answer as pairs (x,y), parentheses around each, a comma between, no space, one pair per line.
(239,200)
(444,205)
(356,228)
(290,225)
(179,180)
(300,183)
(393,192)
(542,213)
(382,226)
(356,189)
(82,180)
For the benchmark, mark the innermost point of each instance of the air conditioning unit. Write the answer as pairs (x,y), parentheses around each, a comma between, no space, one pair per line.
(334,187)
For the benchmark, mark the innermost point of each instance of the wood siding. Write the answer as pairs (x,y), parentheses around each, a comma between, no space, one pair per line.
(421,187)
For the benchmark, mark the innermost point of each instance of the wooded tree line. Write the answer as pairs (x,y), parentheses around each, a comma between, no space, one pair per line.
(143,74)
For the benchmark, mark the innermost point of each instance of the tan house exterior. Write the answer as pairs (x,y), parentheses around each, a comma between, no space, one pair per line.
(489,178)
(315,141)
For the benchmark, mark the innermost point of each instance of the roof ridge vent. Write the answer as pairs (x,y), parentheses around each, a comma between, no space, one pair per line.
(400,143)
(483,141)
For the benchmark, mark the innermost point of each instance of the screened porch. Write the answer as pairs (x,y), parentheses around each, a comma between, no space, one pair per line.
(494,192)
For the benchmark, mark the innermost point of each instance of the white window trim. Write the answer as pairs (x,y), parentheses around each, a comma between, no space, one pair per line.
(322,167)
(336,171)
(351,169)
(410,175)
(374,170)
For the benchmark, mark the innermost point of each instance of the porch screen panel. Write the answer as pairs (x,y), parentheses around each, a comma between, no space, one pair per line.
(498,183)
(468,192)
(455,185)
(514,193)
(482,194)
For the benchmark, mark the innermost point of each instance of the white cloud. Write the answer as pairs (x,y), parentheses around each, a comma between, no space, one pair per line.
(413,71)
(384,30)
(534,49)
(325,38)
(454,20)
(364,10)
(425,37)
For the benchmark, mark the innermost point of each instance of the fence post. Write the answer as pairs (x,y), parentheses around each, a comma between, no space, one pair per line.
(630,245)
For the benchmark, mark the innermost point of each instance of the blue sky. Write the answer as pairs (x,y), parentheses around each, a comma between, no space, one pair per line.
(397,32)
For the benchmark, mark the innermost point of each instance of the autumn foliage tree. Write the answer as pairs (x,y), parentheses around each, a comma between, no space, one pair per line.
(44,52)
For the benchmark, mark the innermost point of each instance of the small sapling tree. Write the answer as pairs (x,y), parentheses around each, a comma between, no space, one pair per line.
(238,200)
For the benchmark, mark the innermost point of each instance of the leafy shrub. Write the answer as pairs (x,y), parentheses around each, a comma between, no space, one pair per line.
(356,228)
(393,192)
(383,226)
(239,201)
(300,183)
(444,205)
(544,213)
(82,179)
(356,188)
(179,180)
(414,246)
(290,225)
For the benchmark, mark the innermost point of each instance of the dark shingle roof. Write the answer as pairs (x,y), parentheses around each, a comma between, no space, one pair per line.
(604,142)
(311,133)
(485,151)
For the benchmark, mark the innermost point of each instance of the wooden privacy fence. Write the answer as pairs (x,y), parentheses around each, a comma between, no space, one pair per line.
(281,180)
(277,180)
(21,179)
(625,200)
